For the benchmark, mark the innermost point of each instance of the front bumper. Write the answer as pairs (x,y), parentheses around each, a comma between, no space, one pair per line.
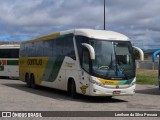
(96,90)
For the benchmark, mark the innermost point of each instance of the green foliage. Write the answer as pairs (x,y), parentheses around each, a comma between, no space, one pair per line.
(147,76)
(137,54)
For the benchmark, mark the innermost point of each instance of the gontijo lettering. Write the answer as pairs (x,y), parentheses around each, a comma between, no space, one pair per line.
(34,61)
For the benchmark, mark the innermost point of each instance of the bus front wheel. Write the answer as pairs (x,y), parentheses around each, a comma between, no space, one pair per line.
(109,97)
(72,89)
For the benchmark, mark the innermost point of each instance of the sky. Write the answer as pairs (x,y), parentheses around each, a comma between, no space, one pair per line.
(27,19)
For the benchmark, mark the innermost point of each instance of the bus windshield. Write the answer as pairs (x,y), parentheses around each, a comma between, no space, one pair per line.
(113,59)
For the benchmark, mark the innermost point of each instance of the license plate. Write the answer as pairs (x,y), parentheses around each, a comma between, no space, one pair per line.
(116,92)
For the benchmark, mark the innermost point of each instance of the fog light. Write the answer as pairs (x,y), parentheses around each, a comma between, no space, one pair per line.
(94,90)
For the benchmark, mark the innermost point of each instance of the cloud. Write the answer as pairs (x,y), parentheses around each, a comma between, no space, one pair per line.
(138,19)
(42,16)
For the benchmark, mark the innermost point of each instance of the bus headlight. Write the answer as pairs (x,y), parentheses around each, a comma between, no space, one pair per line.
(96,82)
(133,83)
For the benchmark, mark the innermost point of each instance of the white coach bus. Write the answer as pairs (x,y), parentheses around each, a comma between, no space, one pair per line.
(84,61)
(9,59)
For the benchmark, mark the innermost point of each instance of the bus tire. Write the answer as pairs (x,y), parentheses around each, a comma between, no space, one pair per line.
(32,82)
(109,97)
(28,82)
(72,89)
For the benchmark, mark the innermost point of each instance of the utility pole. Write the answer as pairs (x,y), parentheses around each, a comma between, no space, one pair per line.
(104,14)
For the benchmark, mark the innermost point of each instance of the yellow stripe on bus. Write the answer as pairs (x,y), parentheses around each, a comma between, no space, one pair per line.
(108,82)
(47,37)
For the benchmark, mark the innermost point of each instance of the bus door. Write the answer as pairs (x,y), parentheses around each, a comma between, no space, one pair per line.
(84,73)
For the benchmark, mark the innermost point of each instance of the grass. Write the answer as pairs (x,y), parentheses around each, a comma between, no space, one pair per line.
(147,76)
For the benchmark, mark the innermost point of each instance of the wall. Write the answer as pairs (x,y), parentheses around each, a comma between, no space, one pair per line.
(147,64)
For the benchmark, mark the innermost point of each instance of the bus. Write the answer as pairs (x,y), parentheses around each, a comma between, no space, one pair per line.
(83,61)
(9,60)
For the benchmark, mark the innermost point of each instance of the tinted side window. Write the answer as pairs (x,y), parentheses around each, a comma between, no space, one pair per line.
(9,53)
(27,49)
(32,50)
(59,45)
(39,49)
(79,41)
(64,46)
(22,49)
(69,47)
(48,47)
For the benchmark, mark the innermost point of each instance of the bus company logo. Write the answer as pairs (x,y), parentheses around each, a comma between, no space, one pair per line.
(84,89)
(69,64)
(34,61)
(117,86)
(3,62)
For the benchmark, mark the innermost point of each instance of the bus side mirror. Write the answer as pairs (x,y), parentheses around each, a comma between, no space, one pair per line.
(91,50)
(140,51)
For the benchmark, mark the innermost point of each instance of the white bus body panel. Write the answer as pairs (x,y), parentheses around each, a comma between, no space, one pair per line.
(10,71)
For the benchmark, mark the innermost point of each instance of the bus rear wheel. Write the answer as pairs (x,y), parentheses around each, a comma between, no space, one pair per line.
(32,82)
(28,82)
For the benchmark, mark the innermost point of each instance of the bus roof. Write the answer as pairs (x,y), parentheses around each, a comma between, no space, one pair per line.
(98,34)
(8,46)
(91,33)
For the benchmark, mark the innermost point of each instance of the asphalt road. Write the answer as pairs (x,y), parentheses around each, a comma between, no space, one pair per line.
(15,96)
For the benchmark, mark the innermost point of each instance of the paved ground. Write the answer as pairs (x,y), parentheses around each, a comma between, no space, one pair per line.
(15,96)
